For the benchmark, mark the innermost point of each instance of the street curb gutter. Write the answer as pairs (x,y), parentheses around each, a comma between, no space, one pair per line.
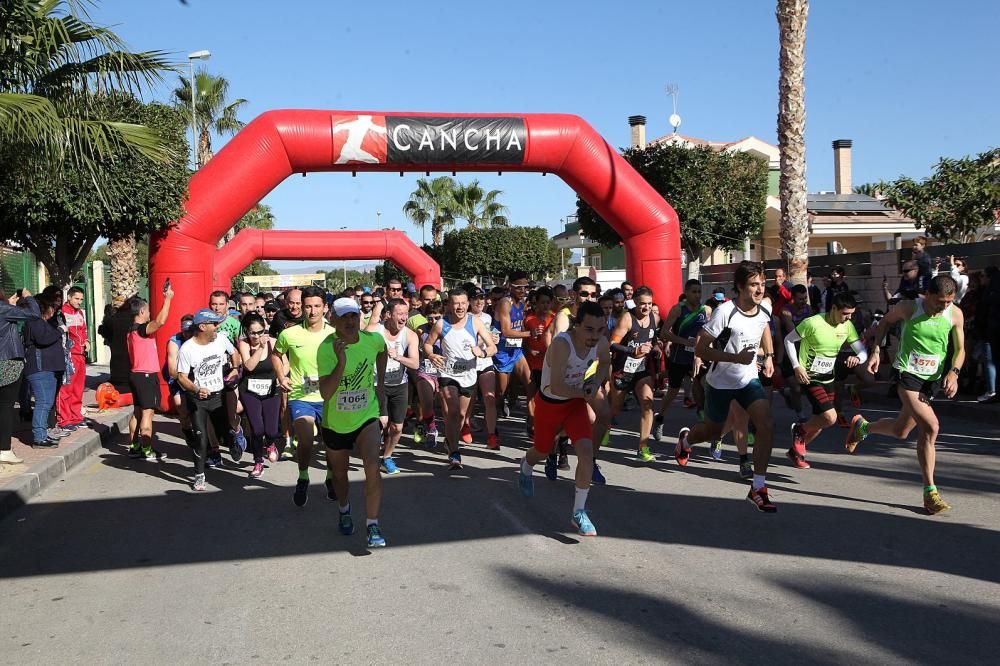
(46,472)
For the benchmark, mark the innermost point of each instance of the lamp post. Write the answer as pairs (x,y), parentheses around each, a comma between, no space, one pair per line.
(197,55)
(378,218)
(345,263)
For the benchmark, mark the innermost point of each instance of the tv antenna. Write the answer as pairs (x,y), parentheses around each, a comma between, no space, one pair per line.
(675,120)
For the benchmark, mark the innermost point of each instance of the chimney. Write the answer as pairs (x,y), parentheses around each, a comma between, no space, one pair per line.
(638,125)
(842,166)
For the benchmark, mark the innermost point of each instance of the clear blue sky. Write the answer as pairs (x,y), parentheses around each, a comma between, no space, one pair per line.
(908,81)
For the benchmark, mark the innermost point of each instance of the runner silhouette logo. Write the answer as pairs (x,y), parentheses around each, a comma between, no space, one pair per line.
(359,139)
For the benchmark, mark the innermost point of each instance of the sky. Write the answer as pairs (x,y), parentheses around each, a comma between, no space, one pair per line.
(908,81)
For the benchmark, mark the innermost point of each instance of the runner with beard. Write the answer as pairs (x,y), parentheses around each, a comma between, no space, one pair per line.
(631,344)
(218,302)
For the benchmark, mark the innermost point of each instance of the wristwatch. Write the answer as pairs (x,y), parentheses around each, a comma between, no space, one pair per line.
(957,371)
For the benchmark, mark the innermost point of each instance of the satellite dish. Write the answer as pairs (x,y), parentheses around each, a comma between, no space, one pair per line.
(675,120)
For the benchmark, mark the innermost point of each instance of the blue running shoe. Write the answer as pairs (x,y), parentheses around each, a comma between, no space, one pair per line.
(598,477)
(375,538)
(455,460)
(239,445)
(213,459)
(582,524)
(346,524)
(526,482)
(552,467)
(389,466)
(301,495)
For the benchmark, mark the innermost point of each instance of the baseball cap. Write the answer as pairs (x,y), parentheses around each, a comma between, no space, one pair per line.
(186,322)
(719,294)
(410,287)
(343,306)
(206,316)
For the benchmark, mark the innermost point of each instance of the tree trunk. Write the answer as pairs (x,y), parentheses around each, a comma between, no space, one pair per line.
(204,146)
(794,232)
(124,269)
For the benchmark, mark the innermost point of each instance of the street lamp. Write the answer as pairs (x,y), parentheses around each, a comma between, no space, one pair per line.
(378,218)
(345,262)
(197,55)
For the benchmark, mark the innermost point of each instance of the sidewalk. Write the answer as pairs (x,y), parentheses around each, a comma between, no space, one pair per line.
(44,466)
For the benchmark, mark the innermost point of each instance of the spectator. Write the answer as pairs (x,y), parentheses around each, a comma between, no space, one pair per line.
(991,311)
(815,294)
(44,364)
(909,285)
(780,291)
(957,269)
(11,369)
(69,406)
(924,273)
(837,286)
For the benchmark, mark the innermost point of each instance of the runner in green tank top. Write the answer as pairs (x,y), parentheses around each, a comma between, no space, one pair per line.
(929,323)
(820,339)
(352,380)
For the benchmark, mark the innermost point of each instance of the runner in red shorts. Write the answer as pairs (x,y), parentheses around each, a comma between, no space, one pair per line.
(560,404)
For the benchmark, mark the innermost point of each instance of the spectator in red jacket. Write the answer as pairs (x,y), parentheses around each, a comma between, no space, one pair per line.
(69,406)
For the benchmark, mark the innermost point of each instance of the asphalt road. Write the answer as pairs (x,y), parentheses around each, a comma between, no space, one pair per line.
(122,563)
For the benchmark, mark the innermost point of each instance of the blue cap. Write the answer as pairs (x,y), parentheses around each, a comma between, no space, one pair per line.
(412,288)
(206,316)
(367,290)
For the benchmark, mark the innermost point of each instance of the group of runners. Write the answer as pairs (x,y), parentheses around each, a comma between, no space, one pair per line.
(352,370)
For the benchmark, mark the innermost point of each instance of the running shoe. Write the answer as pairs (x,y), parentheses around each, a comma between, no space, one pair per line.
(455,460)
(135,451)
(430,436)
(798,439)
(272,453)
(331,494)
(551,467)
(716,449)
(150,455)
(418,433)
(505,409)
(56,433)
(798,460)
(852,391)
(760,500)
(213,459)
(288,453)
(525,482)
(581,521)
(199,483)
(258,469)
(467,434)
(682,451)
(658,427)
(598,476)
(72,427)
(563,461)
(301,495)
(746,470)
(688,402)
(389,466)
(375,538)
(857,433)
(842,421)
(346,523)
(986,397)
(645,455)
(492,443)
(934,504)
(239,445)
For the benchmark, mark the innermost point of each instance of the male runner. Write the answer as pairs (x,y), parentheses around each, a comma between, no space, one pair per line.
(794,313)
(486,377)
(729,341)
(246,302)
(294,362)
(352,376)
(218,302)
(509,316)
(820,338)
(681,327)
(631,344)
(289,315)
(929,323)
(561,404)
(403,354)
(538,320)
(176,392)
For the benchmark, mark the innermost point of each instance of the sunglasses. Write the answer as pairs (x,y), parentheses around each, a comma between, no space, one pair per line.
(395,289)
(518,286)
(367,302)
(436,318)
(587,294)
(255,332)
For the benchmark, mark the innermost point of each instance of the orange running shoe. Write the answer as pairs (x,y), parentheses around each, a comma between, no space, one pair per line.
(467,434)
(491,443)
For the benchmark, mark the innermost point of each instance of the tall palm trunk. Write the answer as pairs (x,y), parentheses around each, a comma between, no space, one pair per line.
(204,145)
(794,232)
(124,267)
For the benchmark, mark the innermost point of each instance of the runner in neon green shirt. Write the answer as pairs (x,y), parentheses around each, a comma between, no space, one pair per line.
(352,373)
(821,338)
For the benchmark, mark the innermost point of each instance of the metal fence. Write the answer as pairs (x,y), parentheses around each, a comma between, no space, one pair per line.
(17,270)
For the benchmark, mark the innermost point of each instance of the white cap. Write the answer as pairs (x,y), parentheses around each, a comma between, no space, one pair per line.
(343,306)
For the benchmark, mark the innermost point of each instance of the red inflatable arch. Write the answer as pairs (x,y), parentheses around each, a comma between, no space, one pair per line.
(251,244)
(278,144)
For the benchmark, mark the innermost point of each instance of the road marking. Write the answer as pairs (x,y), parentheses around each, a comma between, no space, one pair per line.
(539,543)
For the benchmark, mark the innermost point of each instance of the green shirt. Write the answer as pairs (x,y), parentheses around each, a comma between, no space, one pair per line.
(820,345)
(231,328)
(416,321)
(923,345)
(301,346)
(355,401)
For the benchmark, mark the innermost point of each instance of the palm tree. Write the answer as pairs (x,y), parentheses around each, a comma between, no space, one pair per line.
(480,208)
(213,109)
(49,55)
(794,231)
(433,201)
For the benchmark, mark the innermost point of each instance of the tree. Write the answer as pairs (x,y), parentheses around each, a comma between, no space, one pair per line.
(497,252)
(794,231)
(214,111)
(868,189)
(388,270)
(355,278)
(959,202)
(57,213)
(720,198)
(433,201)
(478,207)
(51,57)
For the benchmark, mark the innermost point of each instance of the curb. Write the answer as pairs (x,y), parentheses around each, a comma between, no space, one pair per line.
(46,472)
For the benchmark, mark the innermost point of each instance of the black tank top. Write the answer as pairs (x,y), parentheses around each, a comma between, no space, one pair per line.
(637,335)
(263,370)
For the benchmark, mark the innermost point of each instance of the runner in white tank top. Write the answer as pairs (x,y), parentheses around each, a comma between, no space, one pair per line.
(486,378)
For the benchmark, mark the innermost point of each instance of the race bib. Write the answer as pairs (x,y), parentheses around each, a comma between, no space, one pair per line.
(310,384)
(429,368)
(460,365)
(352,401)
(689,349)
(575,380)
(634,365)
(212,384)
(923,365)
(514,343)
(393,372)
(260,386)
(822,365)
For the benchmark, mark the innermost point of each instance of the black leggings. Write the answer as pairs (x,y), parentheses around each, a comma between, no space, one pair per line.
(210,411)
(262,412)
(8,395)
